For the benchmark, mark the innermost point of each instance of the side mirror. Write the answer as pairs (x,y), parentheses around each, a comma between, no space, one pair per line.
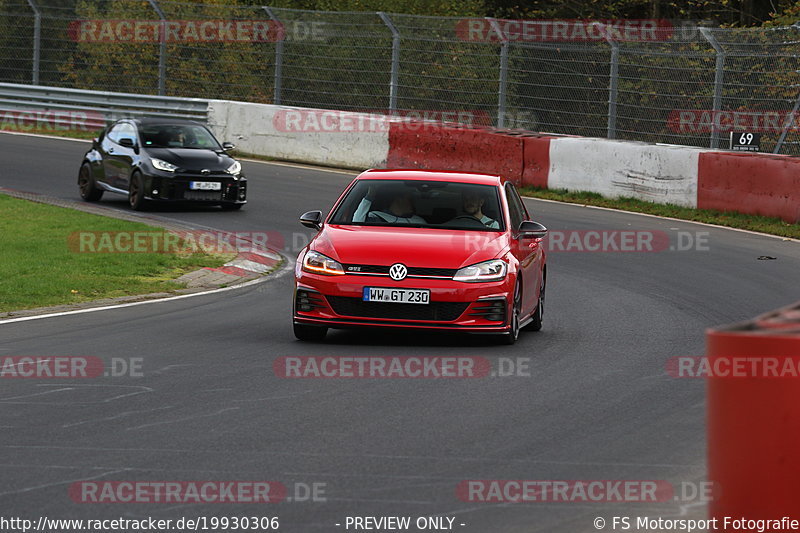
(228,146)
(532,230)
(312,219)
(127,142)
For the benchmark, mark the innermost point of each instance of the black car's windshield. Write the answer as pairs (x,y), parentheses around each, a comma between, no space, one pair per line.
(177,136)
(422,204)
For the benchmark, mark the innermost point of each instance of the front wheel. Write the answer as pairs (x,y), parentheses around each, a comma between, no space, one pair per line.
(310,333)
(513,333)
(232,207)
(536,323)
(87,186)
(136,192)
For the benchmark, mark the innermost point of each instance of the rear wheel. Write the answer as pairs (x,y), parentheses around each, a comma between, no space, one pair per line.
(136,192)
(87,186)
(310,333)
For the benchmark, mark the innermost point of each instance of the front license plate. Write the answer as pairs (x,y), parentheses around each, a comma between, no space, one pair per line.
(205,185)
(404,296)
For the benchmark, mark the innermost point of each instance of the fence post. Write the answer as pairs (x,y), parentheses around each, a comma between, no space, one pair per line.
(613,80)
(787,125)
(718,80)
(37,41)
(276,98)
(503,81)
(162,49)
(395,61)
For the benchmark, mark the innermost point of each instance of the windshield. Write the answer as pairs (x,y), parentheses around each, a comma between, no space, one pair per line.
(421,204)
(178,136)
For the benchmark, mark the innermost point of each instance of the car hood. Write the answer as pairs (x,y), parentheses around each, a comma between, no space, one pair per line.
(420,247)
(192,158)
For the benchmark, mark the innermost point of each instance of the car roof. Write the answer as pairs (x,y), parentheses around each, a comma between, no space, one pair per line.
(432,175)
(162,121)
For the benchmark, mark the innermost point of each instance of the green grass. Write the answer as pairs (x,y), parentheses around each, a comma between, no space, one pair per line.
(72,134)
(774,226)
(38,268)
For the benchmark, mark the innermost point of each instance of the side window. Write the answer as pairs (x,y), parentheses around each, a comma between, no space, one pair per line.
(127,131)
(515,208)
(113,133)
(122,131)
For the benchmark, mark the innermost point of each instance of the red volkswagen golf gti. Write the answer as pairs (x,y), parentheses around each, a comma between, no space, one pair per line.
(422,249)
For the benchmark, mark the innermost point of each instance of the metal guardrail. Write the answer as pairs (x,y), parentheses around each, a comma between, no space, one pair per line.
(99,106)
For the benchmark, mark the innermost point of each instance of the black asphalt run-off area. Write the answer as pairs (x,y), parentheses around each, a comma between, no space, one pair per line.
(597,404)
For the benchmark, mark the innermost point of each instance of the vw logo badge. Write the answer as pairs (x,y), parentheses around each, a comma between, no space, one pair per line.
(398,271)
(205,171)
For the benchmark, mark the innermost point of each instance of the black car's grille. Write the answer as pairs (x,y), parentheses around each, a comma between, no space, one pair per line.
(434,311)
(202,195)
(412,271)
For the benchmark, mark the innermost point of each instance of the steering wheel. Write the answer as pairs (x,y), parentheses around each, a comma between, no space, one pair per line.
(472,219)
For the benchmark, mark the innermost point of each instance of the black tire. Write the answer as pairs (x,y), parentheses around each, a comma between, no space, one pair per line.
(512,336)
(310,333)
(232,207)
(136,192)
(87,186)
(536,323)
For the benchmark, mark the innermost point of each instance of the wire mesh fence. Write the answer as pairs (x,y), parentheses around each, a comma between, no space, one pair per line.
(654,81)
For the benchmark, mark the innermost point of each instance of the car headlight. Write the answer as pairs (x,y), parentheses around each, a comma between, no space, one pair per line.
(493,270)
(235,168)
(163,165)
(321,264)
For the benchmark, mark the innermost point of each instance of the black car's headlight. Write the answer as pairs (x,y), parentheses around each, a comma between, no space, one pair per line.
(235,168)
(163,165)
(493,270)
(322,264)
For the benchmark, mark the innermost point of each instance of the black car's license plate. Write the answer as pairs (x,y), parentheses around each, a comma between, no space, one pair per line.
(405,296)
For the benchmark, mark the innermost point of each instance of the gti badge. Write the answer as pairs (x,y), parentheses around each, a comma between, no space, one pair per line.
(398,271)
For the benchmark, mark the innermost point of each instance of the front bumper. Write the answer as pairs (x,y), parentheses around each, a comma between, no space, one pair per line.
(336,302)
(176,188)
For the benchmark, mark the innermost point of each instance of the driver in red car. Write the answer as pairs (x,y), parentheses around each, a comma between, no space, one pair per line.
(473,206)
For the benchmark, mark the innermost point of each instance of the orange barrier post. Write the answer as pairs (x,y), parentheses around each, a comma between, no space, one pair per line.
(753,403)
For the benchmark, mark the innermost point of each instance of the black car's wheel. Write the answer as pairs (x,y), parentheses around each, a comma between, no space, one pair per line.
(310,333)
(232,207)
(536,323)
(88,188)
(136,192)
(511,337)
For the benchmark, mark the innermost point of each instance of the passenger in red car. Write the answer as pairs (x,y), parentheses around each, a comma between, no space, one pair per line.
(400,211)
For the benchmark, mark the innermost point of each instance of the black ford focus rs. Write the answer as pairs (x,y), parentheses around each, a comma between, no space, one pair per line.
(162,160)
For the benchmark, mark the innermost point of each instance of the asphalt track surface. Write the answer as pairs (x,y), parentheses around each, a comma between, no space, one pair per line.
(597,404)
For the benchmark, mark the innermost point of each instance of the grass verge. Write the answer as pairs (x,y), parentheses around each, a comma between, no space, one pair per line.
(69,133)
(39,269)
(774,226)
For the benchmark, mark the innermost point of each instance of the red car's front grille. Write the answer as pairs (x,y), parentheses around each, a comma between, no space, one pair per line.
(412,271)
(434,311)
